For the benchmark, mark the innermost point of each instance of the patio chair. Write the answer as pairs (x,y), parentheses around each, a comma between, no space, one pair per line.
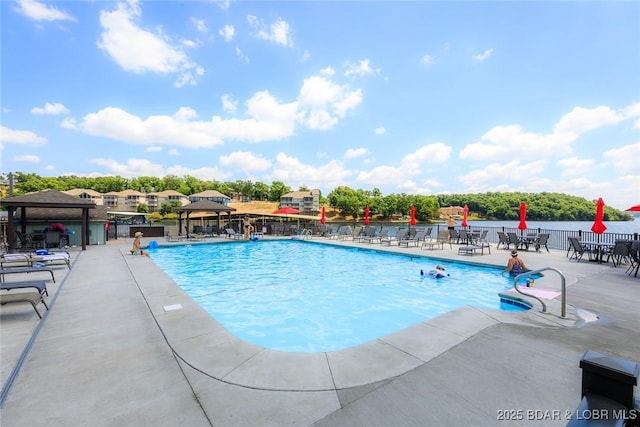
(514,240)
(26,243)
(503,240)
(579,249)
(634,254)
(542,242)
(482,241)
(620,252)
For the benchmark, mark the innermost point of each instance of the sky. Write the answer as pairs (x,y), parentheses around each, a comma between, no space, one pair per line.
(416,97)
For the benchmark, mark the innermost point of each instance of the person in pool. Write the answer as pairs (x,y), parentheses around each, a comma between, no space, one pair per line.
(515,265)
(438,272)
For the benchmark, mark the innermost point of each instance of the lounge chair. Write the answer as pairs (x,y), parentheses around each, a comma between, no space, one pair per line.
(376,237)
(32,297)
(415,240)
(400,234)
(440,240)
(40,285)
(172,238)
(31,259)
(231,233)
(17,270)
(354,235)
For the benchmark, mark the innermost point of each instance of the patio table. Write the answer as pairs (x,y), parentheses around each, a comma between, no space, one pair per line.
(600,249)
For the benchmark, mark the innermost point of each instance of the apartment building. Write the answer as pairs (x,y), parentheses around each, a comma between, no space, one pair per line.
(307,202)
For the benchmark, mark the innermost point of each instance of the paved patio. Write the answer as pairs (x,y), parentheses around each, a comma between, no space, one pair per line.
(123,345)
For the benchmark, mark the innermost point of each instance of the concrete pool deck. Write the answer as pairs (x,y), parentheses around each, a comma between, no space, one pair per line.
(123,345)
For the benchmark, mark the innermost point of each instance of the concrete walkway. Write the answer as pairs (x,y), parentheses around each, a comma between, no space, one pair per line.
(123,345)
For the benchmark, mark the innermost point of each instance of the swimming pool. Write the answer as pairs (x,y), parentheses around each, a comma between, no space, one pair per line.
(302,296)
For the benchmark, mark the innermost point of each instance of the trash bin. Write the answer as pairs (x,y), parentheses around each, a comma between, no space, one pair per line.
(609,377)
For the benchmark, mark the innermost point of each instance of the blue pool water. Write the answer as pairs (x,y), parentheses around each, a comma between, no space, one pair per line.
(306,297)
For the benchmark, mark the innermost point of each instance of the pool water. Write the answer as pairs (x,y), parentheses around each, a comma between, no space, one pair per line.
(301,296)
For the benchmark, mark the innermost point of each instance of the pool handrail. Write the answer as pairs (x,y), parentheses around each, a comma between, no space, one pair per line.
(563,300)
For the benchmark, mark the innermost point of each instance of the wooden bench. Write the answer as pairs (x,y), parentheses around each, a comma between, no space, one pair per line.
(32,297)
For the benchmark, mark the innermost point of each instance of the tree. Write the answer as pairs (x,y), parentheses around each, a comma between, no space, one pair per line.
(277,190)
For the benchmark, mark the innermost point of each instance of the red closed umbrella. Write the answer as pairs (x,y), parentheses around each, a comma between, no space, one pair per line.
(523,214)
(635,208)
(366,215)
(323,218)
(598,226)
(465,213)
(413,221)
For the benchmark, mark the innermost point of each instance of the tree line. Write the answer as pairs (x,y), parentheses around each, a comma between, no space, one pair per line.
(349,202)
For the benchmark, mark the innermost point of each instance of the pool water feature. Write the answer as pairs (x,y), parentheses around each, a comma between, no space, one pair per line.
(300,296)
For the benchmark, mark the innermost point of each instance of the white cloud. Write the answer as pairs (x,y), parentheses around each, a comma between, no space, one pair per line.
(380,130)
(511,172)
(510,143)
(361,68)
(352,153)
(625,159)
(241,56)
(22,137)
(245,161)
(51,109)
(173,152)
(229,105)
(27,158)
(200,25)
(428,59)
(41,12)
(295,173)
(321,104)
(322,100)
(153,149)
(483,56)
(581,120)
(223,4)
(142,167)
(574,166)
(328,71)
(227,32)
(139,51)
(278,32)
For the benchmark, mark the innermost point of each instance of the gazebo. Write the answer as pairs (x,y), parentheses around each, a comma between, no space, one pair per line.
(202,206)
(45,199)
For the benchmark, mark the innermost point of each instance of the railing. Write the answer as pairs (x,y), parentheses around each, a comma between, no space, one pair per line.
(558,239)
(563,297)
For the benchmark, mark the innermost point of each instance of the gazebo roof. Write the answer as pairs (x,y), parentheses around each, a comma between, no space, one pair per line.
(47,199)
(207,206)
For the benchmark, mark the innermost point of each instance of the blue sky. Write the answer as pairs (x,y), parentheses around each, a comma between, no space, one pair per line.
(408,97)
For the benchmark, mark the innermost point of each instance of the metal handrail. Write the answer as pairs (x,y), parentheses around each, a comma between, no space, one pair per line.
(563,288)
